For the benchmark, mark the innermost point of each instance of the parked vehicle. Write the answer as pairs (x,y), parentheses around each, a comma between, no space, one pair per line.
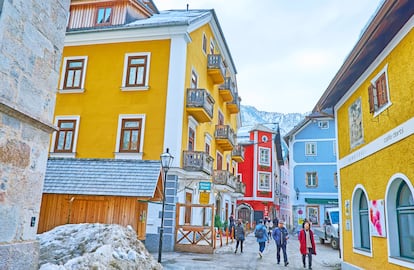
(329,232)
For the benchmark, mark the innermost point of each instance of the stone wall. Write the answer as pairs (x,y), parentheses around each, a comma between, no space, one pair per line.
(31,42)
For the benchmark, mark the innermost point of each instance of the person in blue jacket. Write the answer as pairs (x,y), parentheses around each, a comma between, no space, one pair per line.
(281,235)
(260,233)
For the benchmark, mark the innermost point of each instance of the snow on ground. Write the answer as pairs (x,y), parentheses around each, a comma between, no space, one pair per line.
(93,246)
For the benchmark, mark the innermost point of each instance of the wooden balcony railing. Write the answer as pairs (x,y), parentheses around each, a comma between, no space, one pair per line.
(216,68)
(225,137)
(200,104)
(224,178)
(227,90)
(237,154)
(197,161)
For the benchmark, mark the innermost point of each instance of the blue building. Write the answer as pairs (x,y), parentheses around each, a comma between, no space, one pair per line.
(312,168)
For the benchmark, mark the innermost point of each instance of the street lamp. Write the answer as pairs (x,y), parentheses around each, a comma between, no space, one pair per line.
(166,161)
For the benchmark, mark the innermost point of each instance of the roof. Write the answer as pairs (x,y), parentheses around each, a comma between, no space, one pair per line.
(389,19)
(113,177)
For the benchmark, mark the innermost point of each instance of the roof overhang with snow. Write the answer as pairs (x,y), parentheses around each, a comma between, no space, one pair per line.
(111,177)
(384,26)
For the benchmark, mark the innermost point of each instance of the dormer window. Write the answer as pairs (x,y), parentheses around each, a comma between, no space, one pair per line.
(104,16)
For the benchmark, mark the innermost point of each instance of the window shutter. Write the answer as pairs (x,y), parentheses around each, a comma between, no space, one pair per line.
(371,98)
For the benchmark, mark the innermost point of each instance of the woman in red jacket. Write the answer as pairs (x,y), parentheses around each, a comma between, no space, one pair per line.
(307,244)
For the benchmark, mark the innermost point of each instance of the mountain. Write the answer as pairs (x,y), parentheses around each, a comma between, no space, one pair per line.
(286,121)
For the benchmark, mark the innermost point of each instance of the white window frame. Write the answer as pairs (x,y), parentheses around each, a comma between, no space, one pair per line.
(147,68)
(122,155)
(75,137)
(356,227)
(194,73)
(262,157)
(63,73)
(204,39)
(269,178)
(311,149)
(384,71)
(207,140)
(323,124)
(391,220)
(212,46)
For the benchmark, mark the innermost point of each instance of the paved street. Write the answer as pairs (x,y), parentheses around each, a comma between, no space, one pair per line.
(224,258)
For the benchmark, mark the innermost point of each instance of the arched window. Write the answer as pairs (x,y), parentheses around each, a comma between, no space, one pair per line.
(364,222)
(360,222)
(405,219)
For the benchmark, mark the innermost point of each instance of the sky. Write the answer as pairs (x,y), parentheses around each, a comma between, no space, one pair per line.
(286,52)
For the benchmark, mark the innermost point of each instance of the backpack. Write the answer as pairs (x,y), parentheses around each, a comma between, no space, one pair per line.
(259,233)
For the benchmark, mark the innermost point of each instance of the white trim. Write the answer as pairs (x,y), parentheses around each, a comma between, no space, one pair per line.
(204,37)
(354,230)
(394,135)
(75,137)
(380,58)
(194,71)
(63,72)
(119,155)
(314,140)
(173,129)
(315,148)
(192,123)
(147,72)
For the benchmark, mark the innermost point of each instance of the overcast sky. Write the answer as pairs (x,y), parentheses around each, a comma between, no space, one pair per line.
(286,51)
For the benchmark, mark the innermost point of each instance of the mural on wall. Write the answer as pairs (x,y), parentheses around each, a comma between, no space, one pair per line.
(355,123)
(313,214)
(377,218)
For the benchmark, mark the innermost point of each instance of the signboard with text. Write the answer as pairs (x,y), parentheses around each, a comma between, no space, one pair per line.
(204,197)
(204,186)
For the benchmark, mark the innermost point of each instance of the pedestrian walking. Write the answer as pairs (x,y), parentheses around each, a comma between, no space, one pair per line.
(281,235)
(269,226)
(231,226)
(240,235)
(260,233)
(307,244)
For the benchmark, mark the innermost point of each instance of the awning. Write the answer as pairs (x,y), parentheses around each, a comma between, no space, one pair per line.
(321,201)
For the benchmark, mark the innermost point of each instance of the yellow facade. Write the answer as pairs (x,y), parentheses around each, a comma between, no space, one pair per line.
(376,162)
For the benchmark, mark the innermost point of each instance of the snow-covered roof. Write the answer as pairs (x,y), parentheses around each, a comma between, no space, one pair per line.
(112,177)
(172,17)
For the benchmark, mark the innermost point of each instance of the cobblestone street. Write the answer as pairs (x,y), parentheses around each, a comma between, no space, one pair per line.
(224,258)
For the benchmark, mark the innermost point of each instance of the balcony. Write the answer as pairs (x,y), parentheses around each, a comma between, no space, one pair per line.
(215,68)
(240,189)
(225,137)
(237,154)
(197,161)
(224,181)
(234,106)
(227,90)
(200,104)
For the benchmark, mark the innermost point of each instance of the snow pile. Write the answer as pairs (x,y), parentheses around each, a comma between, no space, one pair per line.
(93,246)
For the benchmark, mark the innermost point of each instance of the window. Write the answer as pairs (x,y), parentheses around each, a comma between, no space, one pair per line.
(211,47)
(323,124)
(310,149)
(194,80)
(130,136)
(361,233)
(311,179)
(64,141)
(136,70)
(220,118)
(191,139)
(73,74)
(264,182)
(405,219)
(219,160)
(378,92)
(207,139)
(103,16)
(204,43)
(264,156)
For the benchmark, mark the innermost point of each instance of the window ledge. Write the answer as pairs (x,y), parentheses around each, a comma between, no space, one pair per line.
(363,251)
(383,108)
(119,155)
(141,88)
(408,263)
(62,155)
(71,91)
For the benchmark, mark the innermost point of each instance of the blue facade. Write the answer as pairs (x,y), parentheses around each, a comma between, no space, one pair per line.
(312,168)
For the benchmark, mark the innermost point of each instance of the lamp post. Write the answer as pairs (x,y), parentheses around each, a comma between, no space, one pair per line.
(166,161)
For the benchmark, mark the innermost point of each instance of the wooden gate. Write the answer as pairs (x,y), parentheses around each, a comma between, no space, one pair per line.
(194,238)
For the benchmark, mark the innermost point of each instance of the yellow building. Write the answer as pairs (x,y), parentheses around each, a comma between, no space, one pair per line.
(136,81)
(372,96)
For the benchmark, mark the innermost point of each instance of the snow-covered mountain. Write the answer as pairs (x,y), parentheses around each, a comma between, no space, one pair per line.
(251,116)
